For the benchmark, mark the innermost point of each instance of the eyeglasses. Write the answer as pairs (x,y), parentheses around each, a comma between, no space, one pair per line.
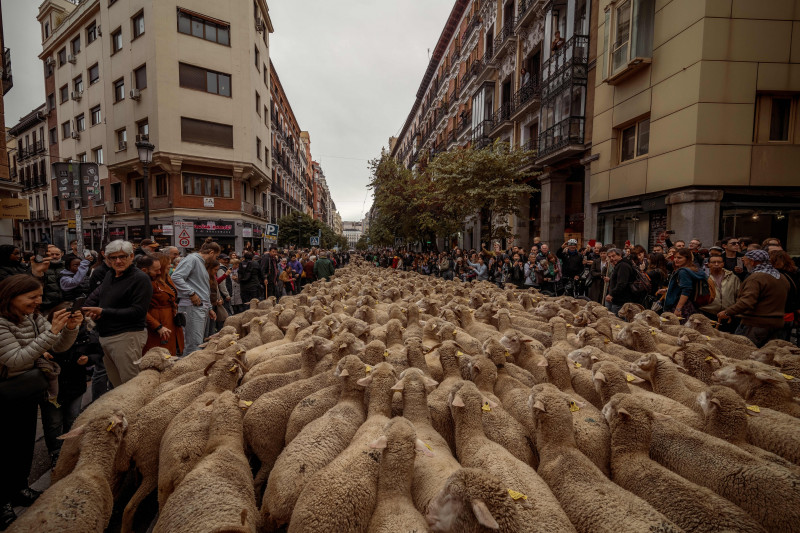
(115,258)
(733,243)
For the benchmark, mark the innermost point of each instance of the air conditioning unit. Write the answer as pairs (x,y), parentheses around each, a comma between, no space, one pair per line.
(136,94)
(260,26)
(77,95)
(110,207)
(56,213)
(123,145)
(75,135)
(137,203)
(71,59)
(50,62)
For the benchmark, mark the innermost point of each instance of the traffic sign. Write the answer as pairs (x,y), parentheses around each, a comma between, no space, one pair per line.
(314,241)
(185,232)
(271,230)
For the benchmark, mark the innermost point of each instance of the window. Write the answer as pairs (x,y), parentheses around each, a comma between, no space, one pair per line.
(780,119)
(258,104)
(62,56)
(202,132)
(51,101)
(111,2)
(776,118)
(266,116)
(94,73)
(116,192)
(65,130)
(204,28)
(46,30)
(635,140)
(205,185)
(82,158)
(116,40)
(622,35)
(80,122)
(119,90)
(96,118)
(258,148)
(142,127)
(138,188)
(266,73)
(200,79)
(161,185)
(53,136)
(97,155)
(75,45)
(138,24)
(122,139)
(63,93)
(140,77)
(91,33)
(630,25)
(257,55)
(77,84)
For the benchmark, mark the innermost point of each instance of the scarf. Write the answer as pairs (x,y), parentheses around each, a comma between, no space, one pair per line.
(767,268)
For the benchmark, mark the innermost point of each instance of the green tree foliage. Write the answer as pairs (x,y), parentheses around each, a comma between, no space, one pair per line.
(362,243)
(456,187)
(297,229)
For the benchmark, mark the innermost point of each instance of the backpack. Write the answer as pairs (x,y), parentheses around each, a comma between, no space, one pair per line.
(703,292)
(642,283)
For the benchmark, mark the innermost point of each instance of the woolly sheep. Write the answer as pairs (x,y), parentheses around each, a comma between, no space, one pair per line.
(310,408)
(441,420)
(665,378)
(760,387)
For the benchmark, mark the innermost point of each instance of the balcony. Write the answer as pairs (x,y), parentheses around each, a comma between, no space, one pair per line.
(452,97)
(455,54)
(566,67)
(483,68)
(562,140)
(474,23)
(506,37)
(480,134)
(501,119)
(41,214)
(8,80)
(452,138)
(526,13)
(525,98)
(532,145)
(464,122)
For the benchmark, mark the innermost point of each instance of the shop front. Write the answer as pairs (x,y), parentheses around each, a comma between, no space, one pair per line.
(639,221)
(161,233)
(222,231)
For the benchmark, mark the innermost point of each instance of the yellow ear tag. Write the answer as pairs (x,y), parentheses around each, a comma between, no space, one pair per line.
(232,343)
(386,353)
(508,354)
(516,495)
(753,408)
(240,352)
(653,332)
(709,358)
(459,353)
(617,326)
(247,403)
(578,365)
(606,341)
(427,445)
(787,376)
(368,369)
(486,407)
(232,369)
(167,356)
(629,377)
(110,426)
(708,338)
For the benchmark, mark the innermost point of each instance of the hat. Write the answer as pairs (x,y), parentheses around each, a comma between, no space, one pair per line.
(148,242)
(223,256)
(716,249)
(572,242)
(760,256)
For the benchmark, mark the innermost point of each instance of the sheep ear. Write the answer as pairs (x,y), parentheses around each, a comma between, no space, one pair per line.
(768,377)
(599,376)
(716,401)
(423,448)
(74,432)
(483,515)
(622,412)
(543,362)
(539,405)
(138,361)
(579,403)
(343,373)
(661,416)
(400,385)
(379,443)
(430,382)
(208,368)
(364,382)
(457,401)
(594,359)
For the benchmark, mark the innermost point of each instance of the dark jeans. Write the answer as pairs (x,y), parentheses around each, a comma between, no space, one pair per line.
(18,421)
(100,384)
(759,335)
(58,420)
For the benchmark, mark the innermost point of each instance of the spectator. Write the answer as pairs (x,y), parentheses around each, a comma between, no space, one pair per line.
(308,271)
(119,306)
(217,312)
(623,275)
(236,291)
(323,268)
(784,264)
(548,273)
(74,279)
(599,272)
(681,284)
(479,268)
(191,279)
(269,270)
(146,247)
(25,336)
(161,327)
(225,283)
(727,286)
(657,272)
(770,241)
(762,300)
(10,263)
(48,276)
(249,278)
(100,270)
(571,260)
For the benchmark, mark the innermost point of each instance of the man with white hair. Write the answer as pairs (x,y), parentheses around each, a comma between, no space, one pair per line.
(119,306)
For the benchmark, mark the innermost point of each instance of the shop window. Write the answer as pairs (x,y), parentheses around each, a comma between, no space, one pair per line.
(206,185)
(776,117)
(634,140)
(628,37)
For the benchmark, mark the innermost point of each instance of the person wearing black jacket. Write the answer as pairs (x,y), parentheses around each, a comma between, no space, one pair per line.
(269,271)
(249,278)
(99,273)
(622,277)
(10,263)
(119,306)
(571,260)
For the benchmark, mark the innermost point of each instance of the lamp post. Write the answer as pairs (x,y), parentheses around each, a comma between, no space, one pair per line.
(145,149)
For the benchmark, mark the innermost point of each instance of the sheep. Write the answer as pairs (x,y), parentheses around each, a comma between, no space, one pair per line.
(609,380)
(705,325)
(768,493)
(200,359)
(307,359)
(351,479)
(588,356)
(665,378)
(253,389)
(475,450)
(787,362)
(527,353)
(310,408)
(142,442)
(591,501)
(591,337)
(573,380)
(317,444)
(127,398)
(437,399)
(629,310)
(505,325)
(726,417)
(690,506)
(218,492)
(262,353)
(82,500)
(474,501)
(645,340)
(508,373)
(757,386)
(395,510)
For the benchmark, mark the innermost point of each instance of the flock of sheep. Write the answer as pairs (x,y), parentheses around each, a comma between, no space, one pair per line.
(391,402)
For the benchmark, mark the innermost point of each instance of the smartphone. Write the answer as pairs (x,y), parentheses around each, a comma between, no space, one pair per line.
(77,304)
(670,232)
(41,252)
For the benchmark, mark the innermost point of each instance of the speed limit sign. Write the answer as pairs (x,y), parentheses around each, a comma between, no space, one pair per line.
(185,231)
(183,242)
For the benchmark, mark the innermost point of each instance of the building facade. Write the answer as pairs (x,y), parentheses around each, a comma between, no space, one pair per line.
(696,121)
(9,188)
(196,83)
(353,232)
(521,72)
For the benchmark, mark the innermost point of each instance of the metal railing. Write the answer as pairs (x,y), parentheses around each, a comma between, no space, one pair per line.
(480,134)
(452,97)
(502,114)
(473,24)
(567,132)
(505,33)
(567,63)
(528,93)
(464,123)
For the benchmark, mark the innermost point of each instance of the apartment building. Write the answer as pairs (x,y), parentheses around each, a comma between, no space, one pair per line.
(9,188)
(30,168)
(324,207)
(353,232)
(291,156)
(696,125)
(193,77)
(518,71)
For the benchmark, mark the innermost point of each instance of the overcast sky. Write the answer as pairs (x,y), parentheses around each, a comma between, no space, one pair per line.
(350,69)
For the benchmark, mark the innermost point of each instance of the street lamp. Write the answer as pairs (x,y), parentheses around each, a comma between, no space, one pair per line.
(145,149)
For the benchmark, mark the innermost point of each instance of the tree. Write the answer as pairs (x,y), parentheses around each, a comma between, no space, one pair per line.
(363,243)
(297,228)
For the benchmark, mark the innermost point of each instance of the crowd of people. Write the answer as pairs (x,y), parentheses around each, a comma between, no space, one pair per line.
(68,319)
(749,288)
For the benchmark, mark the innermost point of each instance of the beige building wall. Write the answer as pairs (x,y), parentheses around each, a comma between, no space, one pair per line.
(711,61)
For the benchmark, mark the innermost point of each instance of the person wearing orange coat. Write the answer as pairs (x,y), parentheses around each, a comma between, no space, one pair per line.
(161,328)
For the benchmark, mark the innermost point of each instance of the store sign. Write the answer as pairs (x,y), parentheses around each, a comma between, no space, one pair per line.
(166,229)
(14,208)
(247,233)
(214,228)
(116,233)
(258,232)
(654,204)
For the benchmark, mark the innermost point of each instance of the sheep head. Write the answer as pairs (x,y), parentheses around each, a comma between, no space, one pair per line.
(113,426)
(724,413)
(743,378)
(157,358)
(646,366)
(584,357)
(552,415)
(631,424)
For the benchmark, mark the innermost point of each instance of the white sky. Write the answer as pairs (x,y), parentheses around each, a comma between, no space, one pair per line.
(350,69)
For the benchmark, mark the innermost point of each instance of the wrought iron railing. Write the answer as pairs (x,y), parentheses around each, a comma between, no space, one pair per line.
(480,134)
(464,122)
(567,132)
(528,93)
(502,114)
(473,24)
(567,64)
(505,33)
